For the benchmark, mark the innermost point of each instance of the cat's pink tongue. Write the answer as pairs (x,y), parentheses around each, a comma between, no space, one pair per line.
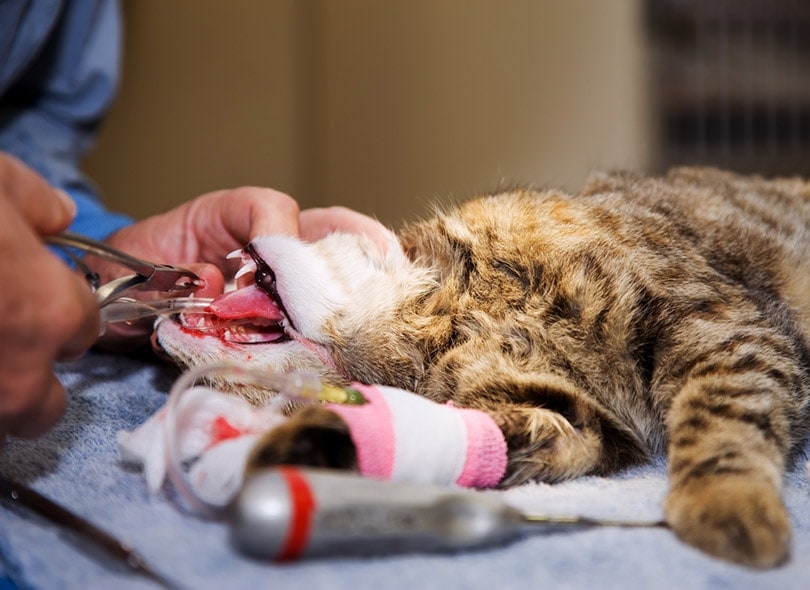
(247,302)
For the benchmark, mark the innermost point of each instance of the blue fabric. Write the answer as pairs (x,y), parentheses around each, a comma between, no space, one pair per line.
(92,219)
(78,465)
(59,64)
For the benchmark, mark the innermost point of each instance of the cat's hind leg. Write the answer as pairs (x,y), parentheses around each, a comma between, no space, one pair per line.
(728,436)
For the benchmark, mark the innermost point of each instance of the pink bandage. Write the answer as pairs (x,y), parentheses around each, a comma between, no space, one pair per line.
(404,437)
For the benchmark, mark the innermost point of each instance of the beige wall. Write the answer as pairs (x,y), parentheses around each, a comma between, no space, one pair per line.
(382,106)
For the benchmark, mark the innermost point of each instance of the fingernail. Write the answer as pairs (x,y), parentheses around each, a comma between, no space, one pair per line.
(69,203)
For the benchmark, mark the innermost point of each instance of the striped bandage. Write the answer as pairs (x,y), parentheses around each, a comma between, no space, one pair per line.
(401,436)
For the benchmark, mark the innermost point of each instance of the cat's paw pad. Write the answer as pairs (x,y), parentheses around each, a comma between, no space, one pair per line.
(735,518)
(312,436)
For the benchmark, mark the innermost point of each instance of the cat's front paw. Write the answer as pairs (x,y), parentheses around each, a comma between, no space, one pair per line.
(735,518)
(312,436)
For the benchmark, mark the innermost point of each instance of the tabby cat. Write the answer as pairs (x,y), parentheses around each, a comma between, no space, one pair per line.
(640,315)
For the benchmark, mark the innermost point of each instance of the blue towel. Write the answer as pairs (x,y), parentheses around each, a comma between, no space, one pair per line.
(77,464)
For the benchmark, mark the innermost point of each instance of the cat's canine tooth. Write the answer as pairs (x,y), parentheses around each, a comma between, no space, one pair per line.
(246,268)
(235,254)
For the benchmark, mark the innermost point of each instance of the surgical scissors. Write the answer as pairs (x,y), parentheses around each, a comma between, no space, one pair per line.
(113,304)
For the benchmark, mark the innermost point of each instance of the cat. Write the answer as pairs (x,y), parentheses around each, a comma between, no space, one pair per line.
(642,315)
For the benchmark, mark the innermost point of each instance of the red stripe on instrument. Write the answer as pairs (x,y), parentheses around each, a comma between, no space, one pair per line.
(302,507)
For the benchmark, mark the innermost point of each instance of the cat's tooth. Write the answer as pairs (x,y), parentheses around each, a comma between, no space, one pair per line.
(246,268)
(235,254)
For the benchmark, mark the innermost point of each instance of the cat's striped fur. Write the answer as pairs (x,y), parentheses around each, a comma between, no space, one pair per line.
(641,315)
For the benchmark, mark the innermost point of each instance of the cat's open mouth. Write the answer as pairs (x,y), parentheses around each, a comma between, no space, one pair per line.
(258,322)
(253,314)
(230,322)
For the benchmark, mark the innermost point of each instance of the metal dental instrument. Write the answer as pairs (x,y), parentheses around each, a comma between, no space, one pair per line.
(126,309)
(149,276)
(288,512)
(81,529)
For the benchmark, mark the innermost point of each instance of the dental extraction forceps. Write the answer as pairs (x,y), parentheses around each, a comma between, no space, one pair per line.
(113,305)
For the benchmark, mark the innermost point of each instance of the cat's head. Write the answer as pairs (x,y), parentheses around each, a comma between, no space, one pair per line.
(334,307)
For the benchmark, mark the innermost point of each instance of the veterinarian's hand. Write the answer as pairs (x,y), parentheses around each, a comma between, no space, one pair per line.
(200,233)
(319,222)
(47,312)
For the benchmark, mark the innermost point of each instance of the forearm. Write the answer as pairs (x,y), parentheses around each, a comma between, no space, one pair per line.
(51,105)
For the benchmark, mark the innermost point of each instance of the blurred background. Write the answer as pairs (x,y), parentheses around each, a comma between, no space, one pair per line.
(391,107)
